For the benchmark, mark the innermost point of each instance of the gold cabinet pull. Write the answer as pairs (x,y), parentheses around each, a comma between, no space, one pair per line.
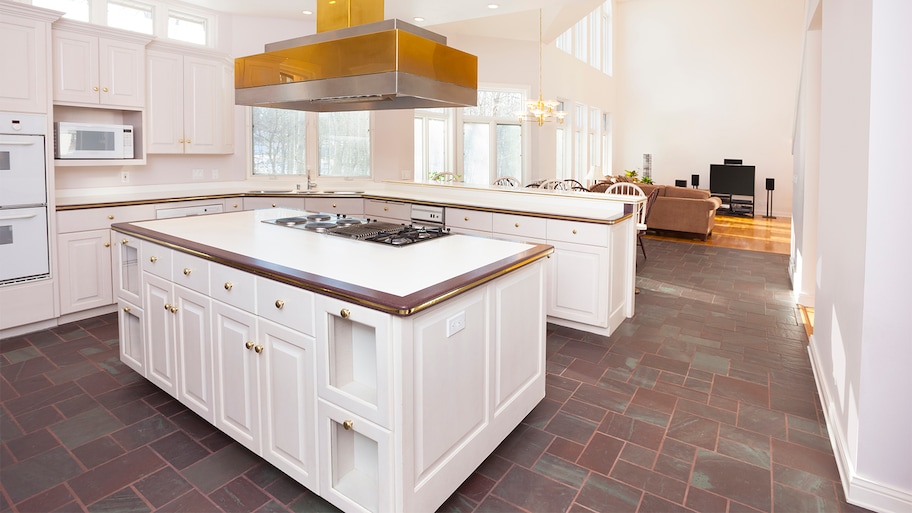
(188,141)
(279,303)
(173,309)
(348,424)
(466,218)
(516,225)
(386,209)
(249,345)
(258,349)
(104,89)
(181,140)
(124,241)
(107,244)
(273,204)
(167,306)
(111,216)
(228,285)
(95,89)
(187,271)
(235,205)
(153,259)
(574,232)
(345,313)
(127,309)
(334,205)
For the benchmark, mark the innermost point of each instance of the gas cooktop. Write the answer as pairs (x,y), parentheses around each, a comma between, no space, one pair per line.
(362,229)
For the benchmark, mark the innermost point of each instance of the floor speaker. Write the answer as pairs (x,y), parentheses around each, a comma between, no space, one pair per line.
(770,187)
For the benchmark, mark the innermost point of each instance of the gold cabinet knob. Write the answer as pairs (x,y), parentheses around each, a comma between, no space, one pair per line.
(516,225)
(348,424)
(95,89)
(466,218)
(273,204)
(173,309)
(279,303)
(187,271)
(574,232)
(181,140)
(188,141)
(334,205)
(111,216)
(249,345)
(127,309)
(104,89)
(228,285)
(167,306)
(345,313)
(386,209)
(258,349)
(153,259)
(235,205)
(124,241)
(107,244)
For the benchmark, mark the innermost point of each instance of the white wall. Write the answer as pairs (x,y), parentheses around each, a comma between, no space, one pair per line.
(705,80)
(861,344)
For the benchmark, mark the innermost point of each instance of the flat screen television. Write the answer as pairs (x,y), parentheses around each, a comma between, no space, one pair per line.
(735,180)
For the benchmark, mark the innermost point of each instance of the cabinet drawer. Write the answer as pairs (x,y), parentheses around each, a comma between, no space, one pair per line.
(190,271)
(470,219)
(254,203)
(389,209)
(232,286)
(99,218)
(286,305)
(520,226)
(577,232)
(347,206)
(156,259)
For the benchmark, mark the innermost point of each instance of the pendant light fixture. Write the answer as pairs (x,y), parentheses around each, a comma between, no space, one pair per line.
(542,111)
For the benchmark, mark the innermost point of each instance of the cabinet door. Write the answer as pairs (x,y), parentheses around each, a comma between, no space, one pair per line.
(194,352)
(354,358)
(75,60)
(253,203)
(161,362)
(132,350)
(85,270)
(288,379)
(202,119)
(237,374)
(165,102)
(23,52)
(127,269)
(578,283)
(347,206)
(122,73)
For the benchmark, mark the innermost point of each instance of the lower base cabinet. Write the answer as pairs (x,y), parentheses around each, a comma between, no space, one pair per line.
(374,412)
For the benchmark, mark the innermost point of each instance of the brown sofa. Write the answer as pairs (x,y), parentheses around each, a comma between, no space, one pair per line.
(690,212)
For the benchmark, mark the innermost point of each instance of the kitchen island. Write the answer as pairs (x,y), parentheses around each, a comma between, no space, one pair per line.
(379,377)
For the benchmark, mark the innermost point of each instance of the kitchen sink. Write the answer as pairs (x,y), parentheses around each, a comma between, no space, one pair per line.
(267,191)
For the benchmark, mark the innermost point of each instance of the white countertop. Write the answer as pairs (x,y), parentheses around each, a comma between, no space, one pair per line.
(389,269)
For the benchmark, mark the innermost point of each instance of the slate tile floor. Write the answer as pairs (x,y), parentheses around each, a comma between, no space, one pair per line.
(702,402)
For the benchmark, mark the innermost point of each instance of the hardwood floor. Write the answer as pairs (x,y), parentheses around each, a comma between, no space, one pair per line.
(752,234)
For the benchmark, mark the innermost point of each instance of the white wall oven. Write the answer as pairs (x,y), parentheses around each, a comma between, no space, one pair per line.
(24,248)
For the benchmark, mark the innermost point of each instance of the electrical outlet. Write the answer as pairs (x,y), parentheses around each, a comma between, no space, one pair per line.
(455,324)
(197,174)
(124,177)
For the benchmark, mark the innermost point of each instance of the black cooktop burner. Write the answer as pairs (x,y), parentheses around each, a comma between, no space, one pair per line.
(409,235)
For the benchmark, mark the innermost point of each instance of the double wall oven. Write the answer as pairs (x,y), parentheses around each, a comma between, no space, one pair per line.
(24,247)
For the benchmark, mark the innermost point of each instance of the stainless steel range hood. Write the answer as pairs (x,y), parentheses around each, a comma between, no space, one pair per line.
(369,66)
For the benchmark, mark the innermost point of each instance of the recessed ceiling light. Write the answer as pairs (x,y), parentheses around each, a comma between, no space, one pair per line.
(493,6)
(418,18)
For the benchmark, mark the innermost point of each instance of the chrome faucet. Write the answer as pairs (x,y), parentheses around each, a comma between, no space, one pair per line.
(310,185)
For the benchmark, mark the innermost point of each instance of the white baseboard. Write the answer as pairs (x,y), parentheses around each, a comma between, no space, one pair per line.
(858,490)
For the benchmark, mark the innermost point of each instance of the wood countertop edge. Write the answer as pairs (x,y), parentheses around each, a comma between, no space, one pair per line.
(373,299)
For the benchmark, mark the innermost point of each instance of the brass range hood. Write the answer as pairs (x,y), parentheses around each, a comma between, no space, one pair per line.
(358,61)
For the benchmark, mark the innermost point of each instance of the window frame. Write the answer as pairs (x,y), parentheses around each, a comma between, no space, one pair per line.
(460,119)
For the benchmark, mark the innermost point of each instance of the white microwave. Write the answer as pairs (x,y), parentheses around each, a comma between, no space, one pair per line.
(92,141)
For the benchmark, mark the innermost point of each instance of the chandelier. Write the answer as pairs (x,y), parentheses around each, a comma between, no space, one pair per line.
(543,110)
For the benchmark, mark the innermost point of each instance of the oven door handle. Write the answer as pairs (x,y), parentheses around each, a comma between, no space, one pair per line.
(21,216)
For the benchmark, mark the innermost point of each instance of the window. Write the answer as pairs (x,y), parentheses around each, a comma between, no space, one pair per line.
(606,167)
(589,40)
(560,152)
(127,15)
(344,144)
(579,142)
(492,137)
(161,19)
(279,142)
(432,142)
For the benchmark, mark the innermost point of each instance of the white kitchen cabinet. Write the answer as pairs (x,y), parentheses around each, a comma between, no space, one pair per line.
(84,266)
(519,227)
(341,206)
(289,201)
(24,40)
(98,66)
(469,222)
(127,269)
(577,276)
(193,330)
(389,211)
(161,361)
(265,388)
(190,101)
(130,329)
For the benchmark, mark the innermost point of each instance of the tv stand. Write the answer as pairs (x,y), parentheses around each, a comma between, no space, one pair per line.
(735,205)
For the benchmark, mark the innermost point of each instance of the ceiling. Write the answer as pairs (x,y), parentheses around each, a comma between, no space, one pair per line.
(518,18)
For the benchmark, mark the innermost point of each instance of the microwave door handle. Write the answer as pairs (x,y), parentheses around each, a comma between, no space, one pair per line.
(21,216)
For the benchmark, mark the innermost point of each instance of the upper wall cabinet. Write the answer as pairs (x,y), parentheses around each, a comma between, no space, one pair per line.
(99,66)
(190,100)
(24,38)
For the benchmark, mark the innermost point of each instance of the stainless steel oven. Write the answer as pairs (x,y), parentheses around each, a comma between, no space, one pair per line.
(24,248)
